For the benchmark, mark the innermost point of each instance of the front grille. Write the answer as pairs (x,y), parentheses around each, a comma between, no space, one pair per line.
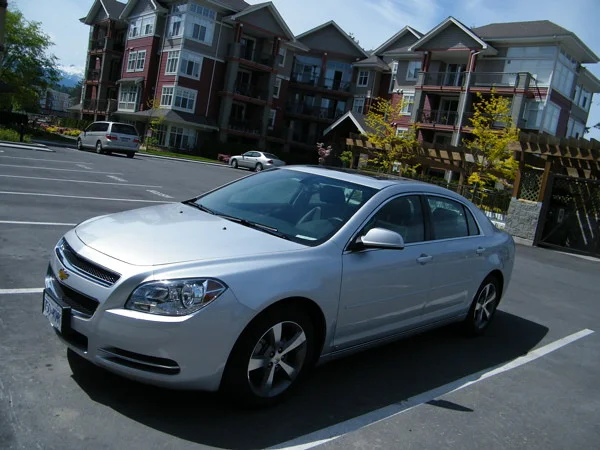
(81,303)
(98,274)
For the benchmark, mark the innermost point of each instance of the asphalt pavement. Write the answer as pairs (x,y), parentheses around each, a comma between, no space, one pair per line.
(530,382)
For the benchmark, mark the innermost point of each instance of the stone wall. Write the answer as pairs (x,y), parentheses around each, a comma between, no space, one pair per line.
(522,218)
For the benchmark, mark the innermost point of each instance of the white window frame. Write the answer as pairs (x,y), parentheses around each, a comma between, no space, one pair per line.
(172,65)
(164,95)
(196,59)
(203,17)
(401,130)
(283,55)
(140,24)
(190,95)
(176,18)
(363,75)
(407,106)
(394,75)
(141,57)
(124,103)
(358,106)
(277,87)
(411,73)
(132,61)
(272,118)
(185,133)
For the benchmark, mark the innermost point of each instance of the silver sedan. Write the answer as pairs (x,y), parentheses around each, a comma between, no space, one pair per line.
(256,161)
(247,287)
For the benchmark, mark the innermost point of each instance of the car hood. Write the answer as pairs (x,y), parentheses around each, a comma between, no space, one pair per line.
(173,233)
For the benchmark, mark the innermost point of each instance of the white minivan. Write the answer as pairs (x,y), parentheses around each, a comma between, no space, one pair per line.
(110,137)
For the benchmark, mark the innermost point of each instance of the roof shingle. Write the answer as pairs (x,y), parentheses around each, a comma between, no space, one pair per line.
(534,28)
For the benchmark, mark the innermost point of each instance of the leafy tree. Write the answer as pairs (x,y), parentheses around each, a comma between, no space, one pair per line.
(154,123)
(394,147)
(492,132)
(27,66)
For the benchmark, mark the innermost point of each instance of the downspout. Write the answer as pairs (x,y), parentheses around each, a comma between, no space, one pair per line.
(461,113)
(212,77)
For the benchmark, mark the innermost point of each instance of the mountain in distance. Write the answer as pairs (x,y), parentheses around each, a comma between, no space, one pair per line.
(70,75)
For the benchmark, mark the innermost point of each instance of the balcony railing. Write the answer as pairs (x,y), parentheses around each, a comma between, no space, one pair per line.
(301,78)
(249,90)
(500,79)
(497,124)
(309,139)
(438,117)
(325,83)
(105,43)
(98,43)
(106,105)
(299,108)
(447,79)
(93,75)
(249,53)
(314,111)
(278,132)
(246,126)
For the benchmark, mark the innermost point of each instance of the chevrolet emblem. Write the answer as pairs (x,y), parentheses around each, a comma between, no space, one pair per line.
(62,274)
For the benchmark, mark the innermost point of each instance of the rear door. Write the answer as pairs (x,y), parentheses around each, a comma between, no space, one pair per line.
(127,135)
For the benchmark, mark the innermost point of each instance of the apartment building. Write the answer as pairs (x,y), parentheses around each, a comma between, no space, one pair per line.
(54,102)
(234,73)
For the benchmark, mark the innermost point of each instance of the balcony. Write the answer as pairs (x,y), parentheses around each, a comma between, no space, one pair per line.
(102,106)
(441,79)
(306,139)
(97,45)
(466,122)
(324,85)
(103,44)
(314,112)
(251,91)
(245,127)
(501,81)
(251,58)
(278,133)
(438,118)
(93,76)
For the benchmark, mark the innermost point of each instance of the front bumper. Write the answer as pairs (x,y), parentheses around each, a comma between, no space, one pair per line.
(177,352)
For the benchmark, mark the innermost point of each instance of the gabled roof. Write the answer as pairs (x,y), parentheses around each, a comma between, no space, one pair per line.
(357,119)
(372,61)
(383,47)
(274,12)
(339,29)
(232,5)
(113,10)
(445,24)
(131,5)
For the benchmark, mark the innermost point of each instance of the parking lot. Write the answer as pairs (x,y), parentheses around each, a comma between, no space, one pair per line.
(530,382)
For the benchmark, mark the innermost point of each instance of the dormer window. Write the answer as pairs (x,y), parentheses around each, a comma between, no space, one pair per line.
(142,26)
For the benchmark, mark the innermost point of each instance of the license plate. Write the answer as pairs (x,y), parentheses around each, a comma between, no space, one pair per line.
(54,312)
(125,139)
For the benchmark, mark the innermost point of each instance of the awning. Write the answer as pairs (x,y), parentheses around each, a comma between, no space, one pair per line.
(136,80)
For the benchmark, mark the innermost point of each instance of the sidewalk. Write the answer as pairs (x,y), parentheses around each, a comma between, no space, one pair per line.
(40,147)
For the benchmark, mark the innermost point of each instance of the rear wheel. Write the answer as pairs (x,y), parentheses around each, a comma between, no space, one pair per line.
(234,164)
(484,307)
(130,155)
(270,357)
(258,167)
(99,148)
(79,144)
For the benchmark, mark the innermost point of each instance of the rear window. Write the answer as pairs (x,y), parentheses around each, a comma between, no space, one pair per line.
(270,156)
(124,129)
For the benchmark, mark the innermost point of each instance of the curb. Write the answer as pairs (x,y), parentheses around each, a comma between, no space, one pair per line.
(171,158)
(55,144)
(23,146)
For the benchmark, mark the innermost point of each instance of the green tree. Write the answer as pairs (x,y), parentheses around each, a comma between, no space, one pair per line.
(493,132)
(27,66)
(382,133)
(154,124)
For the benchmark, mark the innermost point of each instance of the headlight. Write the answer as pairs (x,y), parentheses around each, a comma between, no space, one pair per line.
(174,297)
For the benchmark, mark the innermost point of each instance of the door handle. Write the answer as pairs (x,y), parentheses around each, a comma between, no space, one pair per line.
(424,259)
(480,251)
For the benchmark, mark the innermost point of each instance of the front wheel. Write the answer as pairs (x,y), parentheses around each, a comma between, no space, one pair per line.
(484,307)
(234,164)
(270,357)
(259,167)
(79,144)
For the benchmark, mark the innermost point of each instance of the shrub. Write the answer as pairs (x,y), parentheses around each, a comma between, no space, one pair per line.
(12,136)
(52,130)
(74,133)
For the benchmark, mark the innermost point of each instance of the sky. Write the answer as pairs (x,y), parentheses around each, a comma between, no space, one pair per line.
(371,21)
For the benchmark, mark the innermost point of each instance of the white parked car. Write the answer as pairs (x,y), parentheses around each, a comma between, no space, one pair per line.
(110,137)
(256,161)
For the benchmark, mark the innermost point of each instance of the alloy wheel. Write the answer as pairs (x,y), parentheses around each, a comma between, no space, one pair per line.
(485,306)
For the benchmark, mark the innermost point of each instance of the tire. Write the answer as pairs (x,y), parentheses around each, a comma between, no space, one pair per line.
(99,148)
(484,306)
(79,145)
(258,168)
(234,164)
(130,155)
(276,372)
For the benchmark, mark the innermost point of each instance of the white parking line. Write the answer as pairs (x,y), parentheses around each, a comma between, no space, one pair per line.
(17,222)
(336,431)
(62,170)
(40,194)
(83,166)
(79,181)
(45,160)
(22,291)
(160,194)
(117,178)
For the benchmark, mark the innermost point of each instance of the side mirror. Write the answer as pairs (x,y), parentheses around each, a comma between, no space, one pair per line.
(381,238)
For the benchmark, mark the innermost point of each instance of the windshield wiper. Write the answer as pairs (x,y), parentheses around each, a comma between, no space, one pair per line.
(199,206)
(256,226)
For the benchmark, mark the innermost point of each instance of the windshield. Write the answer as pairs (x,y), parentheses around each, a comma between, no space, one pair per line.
(301,207)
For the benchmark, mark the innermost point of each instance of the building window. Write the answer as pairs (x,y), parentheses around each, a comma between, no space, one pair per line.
(414,67)
(551,118)
(394,74)
(200,23)
(175,25)
(277,87)
(401,131)
(363,78)
(191,65)
(585,99)
(185,99)
(131,61)
(408,101)
(141,61)
(272,117)
(359,105)
(142,26)
(166,99)
(172,63)
(281,56)
(183,138)
(128,97)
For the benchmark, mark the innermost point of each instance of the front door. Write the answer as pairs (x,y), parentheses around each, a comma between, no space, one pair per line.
(384,291)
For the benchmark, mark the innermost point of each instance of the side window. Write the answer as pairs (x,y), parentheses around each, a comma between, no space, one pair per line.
(101,127)
(402,215)
(473,228)
(448,218)
(92,127)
